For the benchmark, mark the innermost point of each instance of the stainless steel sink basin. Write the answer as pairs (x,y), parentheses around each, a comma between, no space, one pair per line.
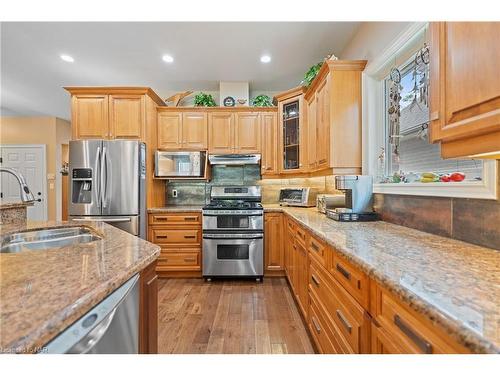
(45,239)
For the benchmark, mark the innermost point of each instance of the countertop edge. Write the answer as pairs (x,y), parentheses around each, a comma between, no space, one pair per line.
(454,328)
(61,321)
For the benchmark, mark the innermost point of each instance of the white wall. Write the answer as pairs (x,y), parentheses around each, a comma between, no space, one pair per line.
(371,39)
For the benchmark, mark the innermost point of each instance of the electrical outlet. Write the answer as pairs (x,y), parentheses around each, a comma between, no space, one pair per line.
(174,193)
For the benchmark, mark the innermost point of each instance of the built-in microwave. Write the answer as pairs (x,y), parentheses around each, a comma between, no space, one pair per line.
(174,164)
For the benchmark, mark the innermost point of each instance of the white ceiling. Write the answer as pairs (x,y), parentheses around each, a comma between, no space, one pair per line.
(129,54)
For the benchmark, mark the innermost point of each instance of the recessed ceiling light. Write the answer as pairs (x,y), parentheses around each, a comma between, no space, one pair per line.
(265,59)
(67,58)
(168,58)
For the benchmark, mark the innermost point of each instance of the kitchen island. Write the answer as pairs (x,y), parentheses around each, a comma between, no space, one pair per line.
(44,291)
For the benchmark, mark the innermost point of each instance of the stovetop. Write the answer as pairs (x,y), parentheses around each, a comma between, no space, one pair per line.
(233,205)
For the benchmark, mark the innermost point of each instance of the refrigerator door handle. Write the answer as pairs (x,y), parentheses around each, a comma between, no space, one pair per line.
(104,177)
(97,168)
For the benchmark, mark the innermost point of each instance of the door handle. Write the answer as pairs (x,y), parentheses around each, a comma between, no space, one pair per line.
(98,165)
(189,237)
(422,344)
(316,281)
(102,177)
(344,321)
(343,271)
(316,324)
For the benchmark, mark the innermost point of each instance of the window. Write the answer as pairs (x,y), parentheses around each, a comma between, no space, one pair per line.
(415,155)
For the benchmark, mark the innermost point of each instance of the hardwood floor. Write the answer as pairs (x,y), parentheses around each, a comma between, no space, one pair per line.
(229,316)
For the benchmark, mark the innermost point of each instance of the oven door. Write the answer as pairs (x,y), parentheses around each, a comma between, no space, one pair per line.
(233,222)
(233,254)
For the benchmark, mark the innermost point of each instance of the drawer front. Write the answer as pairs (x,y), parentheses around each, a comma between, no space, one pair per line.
(352,279)
(184,218)
(347,316)
(181,260)
(175,236)
(318,250)
(322,335)
(300,234)
(408,329)
(290,224)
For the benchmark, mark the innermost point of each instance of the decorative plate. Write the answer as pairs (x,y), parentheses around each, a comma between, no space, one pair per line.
(229,101)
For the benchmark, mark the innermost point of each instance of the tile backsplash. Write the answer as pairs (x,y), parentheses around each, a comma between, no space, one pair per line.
(198,192)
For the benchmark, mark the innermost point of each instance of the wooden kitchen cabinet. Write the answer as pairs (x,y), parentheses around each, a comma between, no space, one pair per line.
(148,310)
(292,141)
(465,88)
(398,328)
(179,236)
(89,116)
(169,130)
(194,131)
(247,133)
(221,132)
(269,162)
(334,118)
(182,130)
(274,251)
(126,116)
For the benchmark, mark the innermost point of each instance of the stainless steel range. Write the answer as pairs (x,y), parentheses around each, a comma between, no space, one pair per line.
(233,233)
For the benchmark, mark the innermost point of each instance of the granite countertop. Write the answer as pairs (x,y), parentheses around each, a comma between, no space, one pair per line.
(43,292)
(8,206)
(455,284)
(186,208)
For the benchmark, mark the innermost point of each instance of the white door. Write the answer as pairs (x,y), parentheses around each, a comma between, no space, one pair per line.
(30,161)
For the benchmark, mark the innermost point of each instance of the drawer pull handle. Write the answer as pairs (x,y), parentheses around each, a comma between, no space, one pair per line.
(190,219)
(188,237)
(316,324)
(314,247)
(322,161)
(422,344)
(316,281)
(343,271)
(161,218)
(344,321)
(164,236)
(189,260)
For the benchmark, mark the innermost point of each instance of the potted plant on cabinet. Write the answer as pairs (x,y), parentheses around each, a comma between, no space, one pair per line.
(204,100)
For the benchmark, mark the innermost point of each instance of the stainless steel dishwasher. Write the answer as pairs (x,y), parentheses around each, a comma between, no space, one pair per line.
(110,327)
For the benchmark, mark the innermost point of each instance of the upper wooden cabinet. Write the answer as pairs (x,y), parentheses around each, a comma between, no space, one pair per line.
(269,162)
(126,116)
(194,130)
(89,116)
(169,130)
(292,144)
(182,130)
(110,112)
(247,133)
(221,132)
(334,118)
(465,88)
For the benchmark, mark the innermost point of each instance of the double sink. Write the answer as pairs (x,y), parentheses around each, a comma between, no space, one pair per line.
(46,239)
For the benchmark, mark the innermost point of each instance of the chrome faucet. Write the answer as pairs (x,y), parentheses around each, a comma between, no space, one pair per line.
(26,195)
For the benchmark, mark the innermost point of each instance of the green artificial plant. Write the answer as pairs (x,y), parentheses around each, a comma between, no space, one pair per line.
(311,74)
(204,100)
(262,101)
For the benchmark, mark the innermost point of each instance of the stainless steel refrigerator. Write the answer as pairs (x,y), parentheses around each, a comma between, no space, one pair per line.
(108,183)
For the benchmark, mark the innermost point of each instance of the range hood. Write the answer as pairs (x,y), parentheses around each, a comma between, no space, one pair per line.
(234,159)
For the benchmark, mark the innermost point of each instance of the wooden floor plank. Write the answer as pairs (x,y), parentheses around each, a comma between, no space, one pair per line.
(229,316)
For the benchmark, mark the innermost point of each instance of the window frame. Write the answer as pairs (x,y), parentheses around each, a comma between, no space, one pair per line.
(373,139)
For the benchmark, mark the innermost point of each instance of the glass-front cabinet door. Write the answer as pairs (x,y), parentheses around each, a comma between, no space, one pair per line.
(291,152)
(292,135)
